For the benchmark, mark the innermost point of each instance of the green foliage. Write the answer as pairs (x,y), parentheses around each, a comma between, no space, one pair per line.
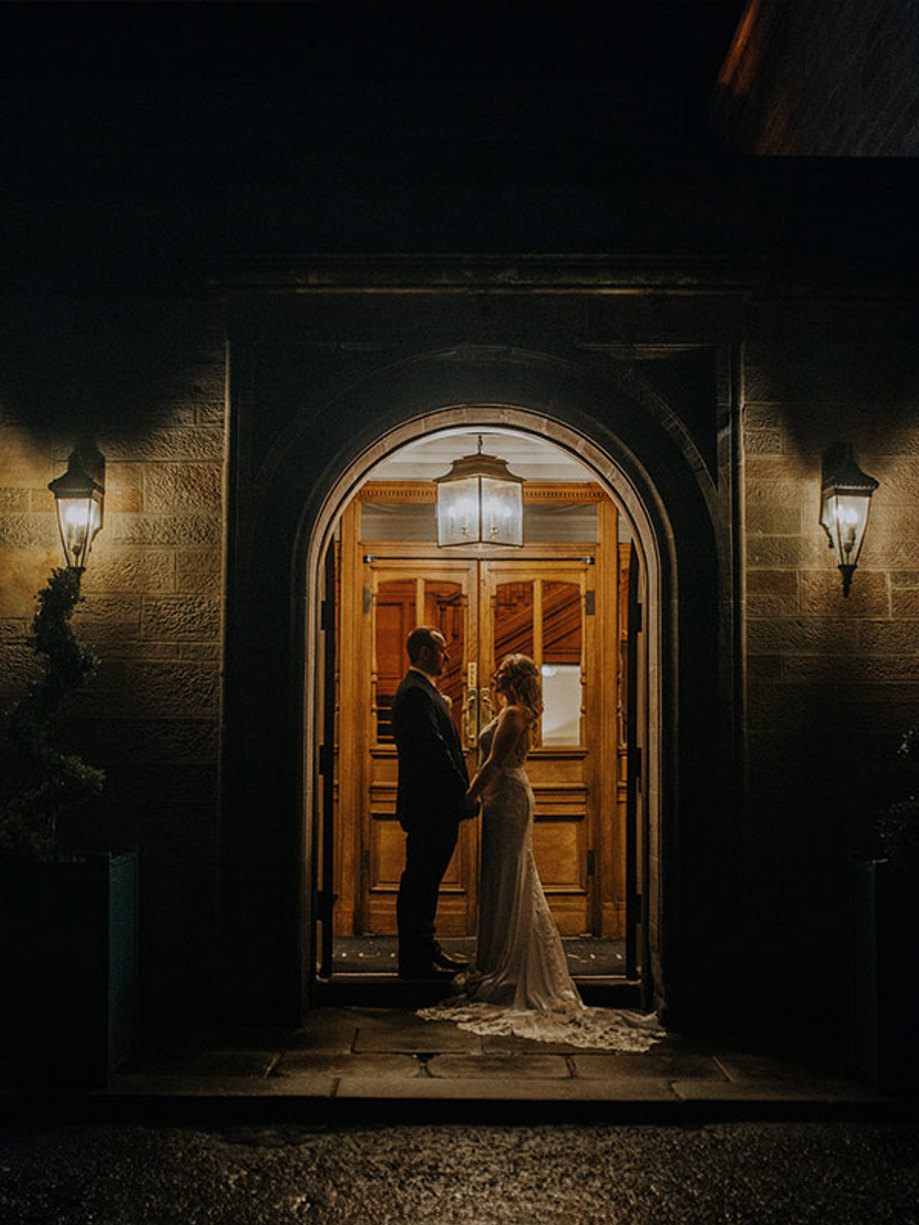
(55,781)
(897,827)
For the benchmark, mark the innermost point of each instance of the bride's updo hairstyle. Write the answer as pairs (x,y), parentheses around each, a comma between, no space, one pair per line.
(521,682)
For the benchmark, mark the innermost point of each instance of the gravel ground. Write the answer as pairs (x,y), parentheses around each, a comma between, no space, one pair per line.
(792,1174)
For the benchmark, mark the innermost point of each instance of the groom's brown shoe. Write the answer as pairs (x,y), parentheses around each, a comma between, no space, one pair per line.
(453,964)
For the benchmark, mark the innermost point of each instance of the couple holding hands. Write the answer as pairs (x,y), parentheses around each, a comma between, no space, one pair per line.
(519,982)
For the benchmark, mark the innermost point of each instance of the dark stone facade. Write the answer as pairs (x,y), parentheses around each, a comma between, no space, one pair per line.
(709,323)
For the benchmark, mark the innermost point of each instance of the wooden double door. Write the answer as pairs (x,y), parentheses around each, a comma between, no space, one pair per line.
(545,607)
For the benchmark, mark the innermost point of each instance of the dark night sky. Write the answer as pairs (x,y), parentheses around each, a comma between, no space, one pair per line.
(145,146)
(158,136)
(164,97)
(379,40)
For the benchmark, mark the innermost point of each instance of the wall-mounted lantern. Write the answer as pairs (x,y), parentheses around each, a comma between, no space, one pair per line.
(844,501)
(479,502)
(79,498)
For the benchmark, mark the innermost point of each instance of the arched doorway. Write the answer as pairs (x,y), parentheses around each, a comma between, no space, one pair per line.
(301,449)
(581,596)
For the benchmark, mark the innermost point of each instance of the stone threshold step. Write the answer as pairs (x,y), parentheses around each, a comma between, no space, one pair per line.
(390,991)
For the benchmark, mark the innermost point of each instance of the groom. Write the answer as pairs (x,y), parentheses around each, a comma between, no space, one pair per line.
(429,802)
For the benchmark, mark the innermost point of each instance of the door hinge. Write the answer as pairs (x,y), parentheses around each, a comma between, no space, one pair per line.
(326,757)
(590,603)
(591,863)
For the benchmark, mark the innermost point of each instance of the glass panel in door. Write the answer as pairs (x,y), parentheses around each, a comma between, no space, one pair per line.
(561,664)
(445,607)
(393,618)
(513,620)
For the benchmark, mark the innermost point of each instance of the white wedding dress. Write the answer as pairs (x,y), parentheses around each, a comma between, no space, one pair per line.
(520,982)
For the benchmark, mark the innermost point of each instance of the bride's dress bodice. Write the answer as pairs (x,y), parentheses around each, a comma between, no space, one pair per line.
(515,760)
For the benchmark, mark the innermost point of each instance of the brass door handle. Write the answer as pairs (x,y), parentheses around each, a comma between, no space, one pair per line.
(486,709)
(470,730)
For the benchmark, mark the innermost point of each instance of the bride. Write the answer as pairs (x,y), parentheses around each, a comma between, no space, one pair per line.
(520,982)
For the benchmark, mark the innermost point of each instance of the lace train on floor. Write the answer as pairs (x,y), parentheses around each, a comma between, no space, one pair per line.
(608,1029)
(521,984)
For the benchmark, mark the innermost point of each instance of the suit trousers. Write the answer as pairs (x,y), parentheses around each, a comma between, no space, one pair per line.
(428,849)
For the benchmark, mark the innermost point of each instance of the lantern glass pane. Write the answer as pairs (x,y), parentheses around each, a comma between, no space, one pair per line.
(458,512)
(828,518)
(502,512)
(848,519)
(79,520)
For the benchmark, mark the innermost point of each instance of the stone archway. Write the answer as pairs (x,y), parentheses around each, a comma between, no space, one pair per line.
(605,472)
(639,451)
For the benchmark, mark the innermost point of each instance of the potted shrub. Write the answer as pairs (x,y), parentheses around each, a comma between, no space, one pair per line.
(68,959)
(885,945)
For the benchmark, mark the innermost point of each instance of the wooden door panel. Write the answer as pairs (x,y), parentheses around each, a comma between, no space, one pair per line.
(387,855)
(445,606)
(406,595)
(387,851)
(394,616)
(486,608)
(538,609)
(551,769)
(558,845)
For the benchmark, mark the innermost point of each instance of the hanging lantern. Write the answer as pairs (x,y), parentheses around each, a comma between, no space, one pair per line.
(845,498)
(78,499)
(479,502)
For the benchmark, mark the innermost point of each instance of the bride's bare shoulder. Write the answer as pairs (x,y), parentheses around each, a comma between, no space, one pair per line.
(514,717)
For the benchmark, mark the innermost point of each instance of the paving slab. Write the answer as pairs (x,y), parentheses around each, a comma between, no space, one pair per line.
(500,1067)
(649,1065)
(418,1037)
(327,1029)
(497,1044)
(742,1065)
(383,1062)
(296,1064)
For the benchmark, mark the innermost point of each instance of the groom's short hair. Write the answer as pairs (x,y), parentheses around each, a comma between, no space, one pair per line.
(421,636)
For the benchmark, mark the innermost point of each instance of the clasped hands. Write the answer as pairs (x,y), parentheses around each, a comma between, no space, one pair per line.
(469,807)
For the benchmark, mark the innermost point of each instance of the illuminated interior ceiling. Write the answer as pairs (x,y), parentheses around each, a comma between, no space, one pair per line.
(527,456)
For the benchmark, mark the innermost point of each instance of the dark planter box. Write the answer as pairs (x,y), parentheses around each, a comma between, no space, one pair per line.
(68,968)
(885,976)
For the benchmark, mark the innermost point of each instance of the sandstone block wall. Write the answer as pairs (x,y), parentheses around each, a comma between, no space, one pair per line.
(153,612)
(831,682)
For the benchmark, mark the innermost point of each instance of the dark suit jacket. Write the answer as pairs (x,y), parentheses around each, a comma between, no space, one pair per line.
(432,769)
